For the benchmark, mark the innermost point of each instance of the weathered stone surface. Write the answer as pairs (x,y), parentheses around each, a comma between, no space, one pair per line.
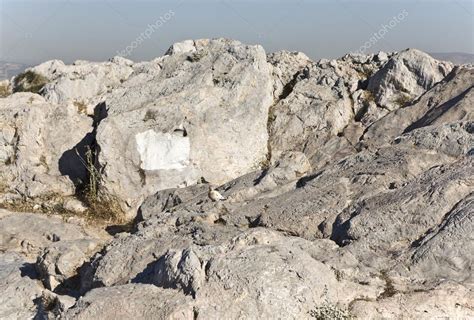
(37,146)
(84,84)
(19,291)
(449,101)
(132,301)
(449,300)
(257,274)
(60,261)
(320,103)
(447,250)
(60,247)
(339,199)
(287,66)
(406,76)
(30,233)
(393,221)
(195,118)
(183,243)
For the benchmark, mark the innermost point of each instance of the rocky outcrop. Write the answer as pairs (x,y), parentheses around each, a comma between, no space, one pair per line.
(405,77)
(19,291)
(196,117)
(348,187)
(449,101)
(39,258)
(132,301)
(84,84)
(331,103)
(39,147)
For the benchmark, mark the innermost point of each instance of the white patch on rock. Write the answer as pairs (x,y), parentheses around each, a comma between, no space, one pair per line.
(162,151)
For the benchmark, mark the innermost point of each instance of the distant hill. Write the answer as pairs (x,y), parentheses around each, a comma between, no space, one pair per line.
(10,69)
(454,57)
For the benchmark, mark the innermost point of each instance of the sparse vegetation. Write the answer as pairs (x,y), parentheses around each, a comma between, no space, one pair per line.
(389,290)
(4,90)
(196,56)
(330,311)
(149,115)
(265,163)
(402,100)
(369,96)
(81,107)
(102,205)
(29,81)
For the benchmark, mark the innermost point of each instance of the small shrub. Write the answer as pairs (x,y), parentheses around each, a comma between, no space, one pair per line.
(265,164)
(102,206)
(29,81)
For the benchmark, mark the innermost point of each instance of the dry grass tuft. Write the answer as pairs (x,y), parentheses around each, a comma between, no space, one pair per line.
(29,81)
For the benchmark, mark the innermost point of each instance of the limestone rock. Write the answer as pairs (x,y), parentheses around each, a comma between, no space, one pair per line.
(60,247)
(37,146)
(406,76)
(449,101)
(195,118)
(393,221)
(449,300)
(132,301)
(287,66)
(30,233)
(59,261)
(318,104)
(19,289)
(447,250)
(84,83)
(339,199)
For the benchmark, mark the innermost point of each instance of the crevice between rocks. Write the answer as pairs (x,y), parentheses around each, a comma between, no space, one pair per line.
(286,92)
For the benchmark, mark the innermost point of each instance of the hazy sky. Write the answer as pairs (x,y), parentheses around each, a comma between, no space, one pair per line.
(36,30)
